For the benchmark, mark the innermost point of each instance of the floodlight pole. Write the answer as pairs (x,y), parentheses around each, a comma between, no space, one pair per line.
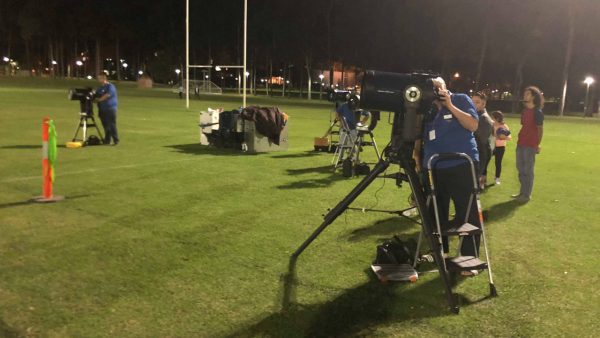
(245,52)
(586,103)
(187,54)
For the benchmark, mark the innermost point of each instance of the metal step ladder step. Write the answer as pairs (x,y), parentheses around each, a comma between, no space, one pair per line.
(463,230)
(464,263)
(395,272)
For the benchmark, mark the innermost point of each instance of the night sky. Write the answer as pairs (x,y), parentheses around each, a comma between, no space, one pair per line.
(510,39)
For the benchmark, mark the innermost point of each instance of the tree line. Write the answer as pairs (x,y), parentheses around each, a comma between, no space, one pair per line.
(501,44)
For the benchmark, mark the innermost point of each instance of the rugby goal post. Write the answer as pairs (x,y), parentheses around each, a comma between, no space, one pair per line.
(187,55)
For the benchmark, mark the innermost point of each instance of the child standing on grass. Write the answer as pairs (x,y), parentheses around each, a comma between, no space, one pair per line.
(502,134)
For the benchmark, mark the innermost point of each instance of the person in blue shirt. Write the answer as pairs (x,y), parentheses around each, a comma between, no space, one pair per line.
(106,97)
(451,131)
(349,111)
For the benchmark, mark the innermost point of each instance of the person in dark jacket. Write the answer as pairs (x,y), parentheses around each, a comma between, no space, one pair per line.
(483,135)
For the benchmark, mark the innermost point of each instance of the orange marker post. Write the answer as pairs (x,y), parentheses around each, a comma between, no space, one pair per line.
(48,159)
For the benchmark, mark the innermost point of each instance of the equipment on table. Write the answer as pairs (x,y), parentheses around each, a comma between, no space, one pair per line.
(252,129)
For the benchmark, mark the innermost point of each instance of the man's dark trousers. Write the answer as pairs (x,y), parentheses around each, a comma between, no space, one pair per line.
(456,183)
(109,122)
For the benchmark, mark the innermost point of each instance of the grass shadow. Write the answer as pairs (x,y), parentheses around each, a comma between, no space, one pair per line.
(326,169)
(29,146)
(325,181)
(31,201)
(500,211)
(354,311)
(385,229)
(8,332)
(23,146)
(313,183)
(198,149)
(308,153)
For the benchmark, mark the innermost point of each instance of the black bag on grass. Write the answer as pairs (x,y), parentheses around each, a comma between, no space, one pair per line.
(393,252)
(93,140)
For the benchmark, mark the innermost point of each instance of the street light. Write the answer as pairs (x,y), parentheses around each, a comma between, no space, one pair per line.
(179,79)
(588,81)
(456,75)
(5,59)
(79,64)
(321,77)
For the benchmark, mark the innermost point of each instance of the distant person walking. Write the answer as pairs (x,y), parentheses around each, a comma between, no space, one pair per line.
(502,135)
(107,108)
(530,138)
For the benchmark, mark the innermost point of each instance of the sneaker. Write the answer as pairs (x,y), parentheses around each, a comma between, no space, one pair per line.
(515,196)
(522,199)
(497,181)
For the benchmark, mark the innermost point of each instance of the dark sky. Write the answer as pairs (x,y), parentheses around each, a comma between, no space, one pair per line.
(443,36)
(439,35)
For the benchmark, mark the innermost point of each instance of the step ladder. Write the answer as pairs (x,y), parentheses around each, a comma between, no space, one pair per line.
(464,230)
(351,143)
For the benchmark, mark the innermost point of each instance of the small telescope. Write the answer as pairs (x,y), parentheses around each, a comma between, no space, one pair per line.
(85,96)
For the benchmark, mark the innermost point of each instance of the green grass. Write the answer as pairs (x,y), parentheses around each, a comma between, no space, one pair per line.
(163,237)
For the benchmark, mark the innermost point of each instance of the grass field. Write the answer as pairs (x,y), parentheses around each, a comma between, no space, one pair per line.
(160,236)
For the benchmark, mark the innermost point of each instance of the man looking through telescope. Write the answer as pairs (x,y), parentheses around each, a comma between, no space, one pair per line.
(106,97)
(453,119)
(348,111)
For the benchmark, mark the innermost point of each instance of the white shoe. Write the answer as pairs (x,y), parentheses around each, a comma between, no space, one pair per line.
(497,181)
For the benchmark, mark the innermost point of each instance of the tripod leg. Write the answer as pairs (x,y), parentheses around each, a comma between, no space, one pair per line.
(77,130)
(343,204)
(428,228)
(98,130)
(84,130)
(375,145)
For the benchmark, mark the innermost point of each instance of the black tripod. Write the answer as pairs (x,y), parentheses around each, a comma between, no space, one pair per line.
(401,155)
(84,124)
(86,115)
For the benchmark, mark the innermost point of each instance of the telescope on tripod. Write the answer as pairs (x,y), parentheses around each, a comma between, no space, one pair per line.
(410,97)
(85,96)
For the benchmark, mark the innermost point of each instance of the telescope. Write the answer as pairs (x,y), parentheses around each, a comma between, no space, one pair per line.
(410,97)
(85,96)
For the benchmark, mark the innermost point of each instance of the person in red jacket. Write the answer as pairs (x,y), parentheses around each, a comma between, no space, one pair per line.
(530,138)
